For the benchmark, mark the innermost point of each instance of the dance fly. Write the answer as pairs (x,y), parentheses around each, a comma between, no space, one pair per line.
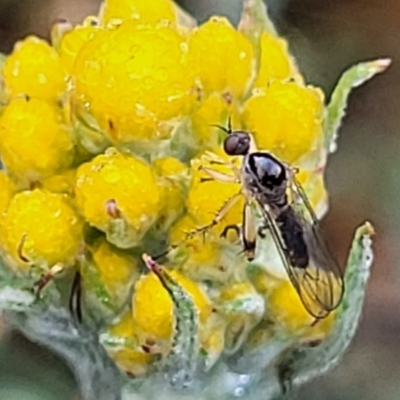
(270,187)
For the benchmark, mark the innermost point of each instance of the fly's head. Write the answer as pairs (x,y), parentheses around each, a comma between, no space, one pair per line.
(237,143)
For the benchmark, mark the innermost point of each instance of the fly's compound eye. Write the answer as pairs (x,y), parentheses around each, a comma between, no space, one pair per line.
(237,144)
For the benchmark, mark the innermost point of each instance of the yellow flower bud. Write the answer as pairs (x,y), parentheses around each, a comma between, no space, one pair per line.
(43,226)
(133,78)
(33,141)
(222,57)
(286,119)
(125,180)
(147,12)
(34,69)
(275,62)
(153,308)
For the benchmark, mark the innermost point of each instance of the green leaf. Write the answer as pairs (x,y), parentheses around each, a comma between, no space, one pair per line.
(255,20)
(181,362)
(335,111)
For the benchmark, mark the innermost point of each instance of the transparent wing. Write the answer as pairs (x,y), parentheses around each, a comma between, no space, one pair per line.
(319,283)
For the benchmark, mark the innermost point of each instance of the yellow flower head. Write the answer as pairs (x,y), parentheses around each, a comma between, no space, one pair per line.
(43,226)
(155,83)
(173,177)
(34,69)
(72,42)
(222,57)
(207,196)
(152,306)
(33,141)
(125,180)
(131,359)
(7,190)
(275,63)
(147,12)
(115,268)
(287,309)
(286,119)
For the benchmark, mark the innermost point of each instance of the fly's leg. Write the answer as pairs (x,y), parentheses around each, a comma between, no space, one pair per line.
(218,217)
(40,284)
(262,229)
(218,176)
(203,230)
(249,231)
(235,228)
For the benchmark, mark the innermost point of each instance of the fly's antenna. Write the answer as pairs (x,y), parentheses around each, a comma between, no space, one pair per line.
(226,130)
(230,125)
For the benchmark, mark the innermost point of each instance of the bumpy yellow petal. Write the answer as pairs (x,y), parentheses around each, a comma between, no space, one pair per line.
(207,197)
(72,42)
(173,177)
(153,307)
(147,12)
(222,57)
(34,69)
(214,110)
(169,167)
(275,60)
(314,186)
(127,181)
(133,360)
(286,308)
(7,190)
(116,268)
(134,77)
(60,183)
(33,141)
(286,119)
(45,224)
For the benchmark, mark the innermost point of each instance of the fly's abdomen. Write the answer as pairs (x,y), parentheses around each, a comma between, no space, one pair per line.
(293,238)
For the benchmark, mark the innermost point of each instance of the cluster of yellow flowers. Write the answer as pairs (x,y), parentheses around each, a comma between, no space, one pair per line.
(102,133)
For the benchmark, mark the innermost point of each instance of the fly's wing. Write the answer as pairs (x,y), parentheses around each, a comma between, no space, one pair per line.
(320,283)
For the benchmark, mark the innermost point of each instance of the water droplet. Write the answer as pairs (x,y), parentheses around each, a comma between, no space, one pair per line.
(239,392)
(15,70)
(42,78)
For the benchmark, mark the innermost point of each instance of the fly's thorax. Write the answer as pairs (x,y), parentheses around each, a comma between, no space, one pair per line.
(265,178)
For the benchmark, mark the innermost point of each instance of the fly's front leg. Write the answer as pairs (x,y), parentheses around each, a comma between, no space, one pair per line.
(203,230)
(218,176)
(218,217)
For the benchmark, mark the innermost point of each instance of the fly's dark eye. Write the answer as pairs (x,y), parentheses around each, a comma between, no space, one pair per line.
(237,144)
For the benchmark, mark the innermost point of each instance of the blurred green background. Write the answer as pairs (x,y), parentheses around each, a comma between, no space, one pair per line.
(327,36)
